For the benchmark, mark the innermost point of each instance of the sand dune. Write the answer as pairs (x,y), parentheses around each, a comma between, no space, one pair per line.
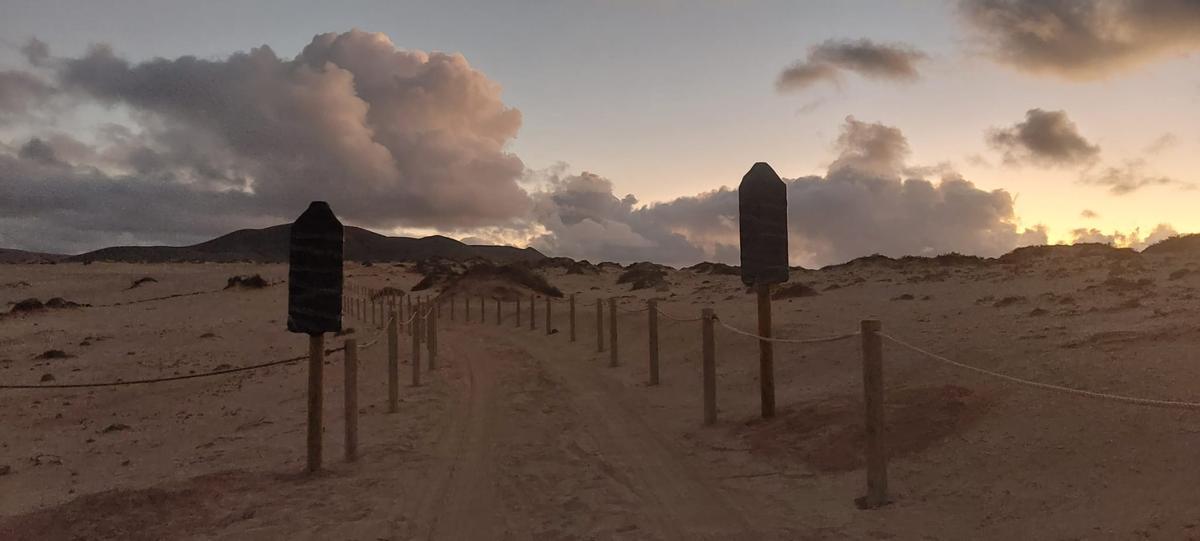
(522,435)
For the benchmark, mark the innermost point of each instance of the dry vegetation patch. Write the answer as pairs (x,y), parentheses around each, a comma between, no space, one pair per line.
(828,436)
(177,510)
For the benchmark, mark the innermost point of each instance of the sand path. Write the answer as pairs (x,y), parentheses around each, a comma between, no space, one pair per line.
(514,413)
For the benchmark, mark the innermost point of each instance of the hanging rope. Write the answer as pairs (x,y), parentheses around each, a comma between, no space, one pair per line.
(1151,402)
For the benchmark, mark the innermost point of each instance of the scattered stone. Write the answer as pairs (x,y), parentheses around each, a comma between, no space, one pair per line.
(140,281)
(27,305)
(5,469)
(247,282)
(59,302)
(208,335)
(1009,301)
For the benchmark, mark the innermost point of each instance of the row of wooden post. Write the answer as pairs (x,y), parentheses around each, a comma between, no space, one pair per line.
(871,352)
(363,305)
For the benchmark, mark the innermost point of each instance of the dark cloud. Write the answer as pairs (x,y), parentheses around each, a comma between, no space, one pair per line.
(827,61)
(46,204)
(36,52)
(1129,178)
(1083,38)
(863,205)
(1046,138)
(1089,214)
(21,94)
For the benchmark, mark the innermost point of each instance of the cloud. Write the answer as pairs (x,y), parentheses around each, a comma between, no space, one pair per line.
(1133,239)
(1163,142)
(863,205)
(1089,214)
(1082,39)
(827,61)
(21,94)
(389,137)
(36,52)
(1045,138)
(1129,178)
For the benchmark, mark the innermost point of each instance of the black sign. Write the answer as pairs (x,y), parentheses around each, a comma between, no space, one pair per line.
(315,272)
(762,219)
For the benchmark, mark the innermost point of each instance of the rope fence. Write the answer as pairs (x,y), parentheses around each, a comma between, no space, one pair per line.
(1138,401)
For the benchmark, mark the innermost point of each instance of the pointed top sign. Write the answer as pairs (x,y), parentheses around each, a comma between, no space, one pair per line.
(762,220)
(315,272)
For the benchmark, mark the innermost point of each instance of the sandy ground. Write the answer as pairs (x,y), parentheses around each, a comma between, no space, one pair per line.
(522,435)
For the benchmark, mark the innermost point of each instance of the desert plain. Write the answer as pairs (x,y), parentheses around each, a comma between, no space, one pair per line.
(520,434)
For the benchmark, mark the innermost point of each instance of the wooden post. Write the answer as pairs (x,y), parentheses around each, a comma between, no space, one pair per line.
(572,317)
(600,325)
(612,331)
(766,352)
(518,313)
(872,351)
(431,340)
(372,310)
(316,366)
(393,339)
(450,301)
(547,315)
(710,367)
(467,308)
(532,312)
(481,314)
(416,350)
(410,314)
(652,311)
(400,310)
(350,408)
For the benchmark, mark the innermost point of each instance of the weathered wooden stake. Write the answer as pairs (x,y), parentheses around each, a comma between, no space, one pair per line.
(450,301)
(400,309)
(482,315)
(410,314)
(351,399)
(532,312)
(766,352)
(416,349)
(547,316)
(467,308)
(652,312)
(518,313)
(612,331)
(572,317)
(600,325)
(316,366)
(710,367)
(872,351)
(393,339)
(431,323)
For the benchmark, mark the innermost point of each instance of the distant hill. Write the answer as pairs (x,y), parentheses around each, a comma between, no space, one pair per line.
(270,245)
(21,256)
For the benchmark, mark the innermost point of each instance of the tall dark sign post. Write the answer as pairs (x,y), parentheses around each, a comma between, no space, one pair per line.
(762,219)
(314,301)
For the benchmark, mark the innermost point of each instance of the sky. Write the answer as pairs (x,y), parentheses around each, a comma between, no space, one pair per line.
(603,129)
